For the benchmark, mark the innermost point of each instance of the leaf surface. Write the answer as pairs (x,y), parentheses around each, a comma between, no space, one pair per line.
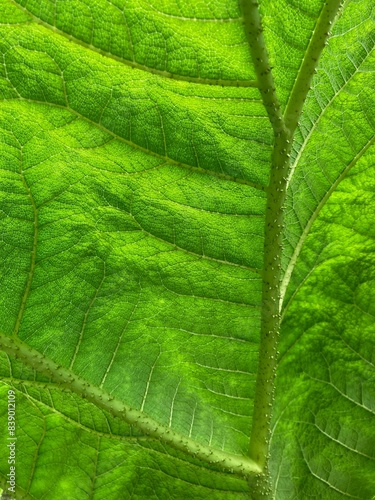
(135,160)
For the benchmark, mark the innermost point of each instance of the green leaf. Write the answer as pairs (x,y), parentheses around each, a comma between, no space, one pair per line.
(187,248)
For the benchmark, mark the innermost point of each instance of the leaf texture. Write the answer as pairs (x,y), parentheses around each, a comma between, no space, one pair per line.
(135,162)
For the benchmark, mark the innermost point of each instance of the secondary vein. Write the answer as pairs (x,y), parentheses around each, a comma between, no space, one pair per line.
(166,159)
(133,64)
(306,231)
(66,379)
(30,276)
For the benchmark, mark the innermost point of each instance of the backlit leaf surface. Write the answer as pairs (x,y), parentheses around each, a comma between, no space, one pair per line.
(135,159)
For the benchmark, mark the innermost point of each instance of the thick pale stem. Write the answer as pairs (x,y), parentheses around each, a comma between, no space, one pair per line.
(133,63)
(283,128)
(67,380)
(310,62)
(259,55)
(270,318)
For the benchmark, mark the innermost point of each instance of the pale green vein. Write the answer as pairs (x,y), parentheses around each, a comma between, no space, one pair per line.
(277,478)
(65,378)
(215,212)
(196,19)
(309,63)
(134,64)
(280,416)
(284,311)
(346,396)
(341,443)
(297,339)
(341,393)
(224,369)
(214,299)
(30,277)
(228,412)
(306,231)
(321,115)
(192,420)
(325,481)
(172,405)
(84,323)
(114,354)
(224,395)
(166,159)
(209,335)
(190,252)
(95,467)
(149,381)
(37,449)
(372,365)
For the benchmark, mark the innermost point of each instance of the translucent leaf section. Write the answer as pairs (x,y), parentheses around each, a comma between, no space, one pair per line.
(126,200)
(106,458)
(337,128)
(135,158)
(121,261)
(324,425)
(224,131)
(288,29)
(189,40)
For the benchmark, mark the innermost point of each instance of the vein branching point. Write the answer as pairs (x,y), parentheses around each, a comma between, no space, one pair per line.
(283,128)
(66,379)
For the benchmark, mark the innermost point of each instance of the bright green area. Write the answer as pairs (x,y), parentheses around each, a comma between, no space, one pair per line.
(324,433)
(193,39)
(132,212)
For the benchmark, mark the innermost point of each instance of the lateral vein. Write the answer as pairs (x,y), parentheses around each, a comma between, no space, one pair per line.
(133,64)
(166,159)
(66,379)
(33,251)
(306,231)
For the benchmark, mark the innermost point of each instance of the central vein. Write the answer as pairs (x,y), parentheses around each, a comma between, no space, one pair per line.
(283,129)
